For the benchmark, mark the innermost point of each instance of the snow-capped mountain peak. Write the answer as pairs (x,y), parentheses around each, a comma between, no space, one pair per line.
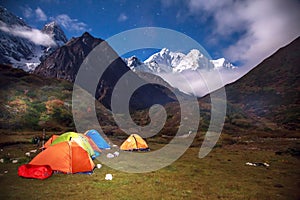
(182,71)
(160,61)
(57,34)
(222,63)
(176,58)
(133,62)
(164,52)
(192,61)
(54,30)
(166,61)
(177,69)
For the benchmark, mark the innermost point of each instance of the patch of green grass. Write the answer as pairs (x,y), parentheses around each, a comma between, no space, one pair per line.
(220,175)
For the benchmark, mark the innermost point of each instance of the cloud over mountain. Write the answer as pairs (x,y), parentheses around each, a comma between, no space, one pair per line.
(34,35)
(262,25)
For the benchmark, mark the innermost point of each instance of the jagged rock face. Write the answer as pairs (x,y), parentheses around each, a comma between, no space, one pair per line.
(65,61)
(132,62)
(58,34)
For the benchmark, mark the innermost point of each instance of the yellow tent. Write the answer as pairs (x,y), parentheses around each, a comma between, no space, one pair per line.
(134,143)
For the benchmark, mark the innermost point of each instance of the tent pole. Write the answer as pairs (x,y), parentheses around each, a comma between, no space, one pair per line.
(43,139)
(136,143)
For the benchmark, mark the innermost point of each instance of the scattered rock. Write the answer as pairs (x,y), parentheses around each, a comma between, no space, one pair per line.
(14,161)
(110,155)
(99,166)
(108,177)
(251,164)
(116,154)
(258,164)
(266,164)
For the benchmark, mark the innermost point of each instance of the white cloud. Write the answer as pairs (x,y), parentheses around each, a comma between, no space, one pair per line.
(202,82)
(122,17)
(34,35)
(27,12)
(69,23)
(40,15)
(272,24)
(267,25)
(259,28)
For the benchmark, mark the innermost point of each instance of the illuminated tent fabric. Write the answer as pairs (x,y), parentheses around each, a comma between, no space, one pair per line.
(66,157)
(97,138)
(134,143)
(91,142)
(77,137)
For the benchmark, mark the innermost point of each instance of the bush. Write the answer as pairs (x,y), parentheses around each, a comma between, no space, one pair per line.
(31,118)
(62,116)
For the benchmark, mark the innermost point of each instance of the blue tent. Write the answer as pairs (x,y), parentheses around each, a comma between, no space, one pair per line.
(98,139)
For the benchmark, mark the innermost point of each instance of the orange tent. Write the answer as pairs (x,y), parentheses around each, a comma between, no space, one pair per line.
(134,143)
(49,141)
(66,157)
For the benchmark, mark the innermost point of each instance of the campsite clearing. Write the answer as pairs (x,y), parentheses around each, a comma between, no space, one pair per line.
(222,174)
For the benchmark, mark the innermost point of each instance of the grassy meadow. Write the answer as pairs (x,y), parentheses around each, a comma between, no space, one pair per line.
(222,174)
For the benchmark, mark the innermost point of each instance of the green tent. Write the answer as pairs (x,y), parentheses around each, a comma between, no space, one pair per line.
(79,138)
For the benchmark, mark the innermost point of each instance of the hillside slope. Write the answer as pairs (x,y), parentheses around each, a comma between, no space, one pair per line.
(272,89)
(31,102)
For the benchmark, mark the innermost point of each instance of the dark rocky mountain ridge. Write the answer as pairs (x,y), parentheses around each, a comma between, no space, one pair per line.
(65,62)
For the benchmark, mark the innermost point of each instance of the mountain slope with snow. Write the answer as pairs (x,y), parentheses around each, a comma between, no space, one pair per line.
(25,47)
(192,73)
(222,63)
(13,49)
(57,34)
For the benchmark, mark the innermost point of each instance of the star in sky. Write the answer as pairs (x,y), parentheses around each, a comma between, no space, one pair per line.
(244,32)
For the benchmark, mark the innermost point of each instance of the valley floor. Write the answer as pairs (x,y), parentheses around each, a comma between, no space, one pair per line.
(223,174)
